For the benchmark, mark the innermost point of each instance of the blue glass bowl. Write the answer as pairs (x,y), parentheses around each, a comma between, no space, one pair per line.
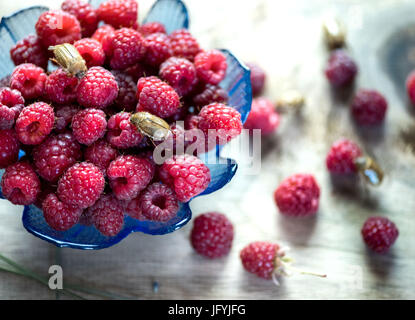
(173,14)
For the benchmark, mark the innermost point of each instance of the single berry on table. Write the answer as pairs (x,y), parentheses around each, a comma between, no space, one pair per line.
(379,233)
(341,69)
(369,107)
(341,158)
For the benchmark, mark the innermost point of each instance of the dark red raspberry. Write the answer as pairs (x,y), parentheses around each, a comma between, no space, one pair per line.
(119,13)
(104,35)
(61,87)
(211,66)
(410,86)
(183,44)
(379,233)
(180,73)
(258,78)
(9,147)
(369,107)
(151,27)
(5,81)
(210,94)
(212,235)
(341,69)
(100,153)
(140,70)
(157,49)
(298,195)
(34,123)
(191,122)
(158,203)
(20,184)
(46,188)
(11,104)
(64,115)
(89,125)
(133,209)
(56,27)
(58,215)
(157,97)
(187,175)
(56,154)
(86,219)
(29,50)
(122,133)
(81,185)
(92,52)
(128,47)
(341,157)
(127,89)
(128,175)
(98,89)
(29,79)
(262,116)
(85,14)
(6,117)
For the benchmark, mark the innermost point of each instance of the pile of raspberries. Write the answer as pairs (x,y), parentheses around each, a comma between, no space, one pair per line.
(84,161)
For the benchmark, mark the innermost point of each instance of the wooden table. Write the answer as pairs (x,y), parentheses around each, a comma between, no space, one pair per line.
(285,38)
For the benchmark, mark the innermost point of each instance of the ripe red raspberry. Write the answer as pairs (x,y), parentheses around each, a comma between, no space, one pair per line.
(61,87)
(157,97)
(133,209)
(298,195)
(100,153)
(122,133)
(341,69)
(180,73)
(29,79)
(58,215)
(258,78)
(127,89)
(107,215)
(151,27)
(211,66)
(410,86)
(81,185)
(187,175)
(128,175)
(56,154)
(29,50)
(157,49)
(92,52)
(98,89)
(34,123)
(6,117)
(183,44)
(56,27)
(11,104)
(341,157)
(158,203)
(64,115)
(119,13)
(20,184)
(89,125)
(128,47)
(369,107)
(210,94)
(85,14)
(212,235)
(104,35)
(9,147)
(262,116)
(379,233)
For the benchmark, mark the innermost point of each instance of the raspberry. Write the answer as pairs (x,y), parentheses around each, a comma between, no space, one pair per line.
(29,50)
(121,132)
(128,47)
(86,219)
(34,123)
(92,52)
(379,233)
(260,257)
(29,79)
(341,69)
(262,116)
(81,185)
(341,157)
(100,153)
(128,175)
(133,209)
(257,78)
(369,107)
(191,122)
(183,44)
(140,70)
(11,104)
(61,87)
(298,195)
(158,203)
(5,81)
(56,154)
(210,94)
(98,89)
(187,175)
(107,215)
(118,13)
(85,14)
(180,73)
(211,66)
(212,235)
(20,184)
(58,215)
(9,148)
(157,49)
(151,27)
(64,115)
(45,189)
(104,35)
(89,125)
(57,27)
(410,86)
(6,117)
(157,97)
(127,89)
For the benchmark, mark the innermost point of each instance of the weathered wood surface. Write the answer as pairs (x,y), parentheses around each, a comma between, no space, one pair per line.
(285,38)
